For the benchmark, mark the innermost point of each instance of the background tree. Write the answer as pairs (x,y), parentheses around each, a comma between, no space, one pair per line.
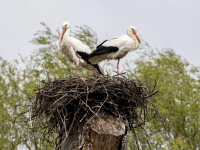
(9,95)
(177,100)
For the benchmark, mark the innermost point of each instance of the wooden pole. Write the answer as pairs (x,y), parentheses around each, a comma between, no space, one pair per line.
(101,133)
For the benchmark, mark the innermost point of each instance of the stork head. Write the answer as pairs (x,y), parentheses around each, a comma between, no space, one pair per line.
(65,27)
(132,31)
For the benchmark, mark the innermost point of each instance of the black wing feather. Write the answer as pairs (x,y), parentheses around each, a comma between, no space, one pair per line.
(101,44)
(85,56)
(103,50)
(98,69)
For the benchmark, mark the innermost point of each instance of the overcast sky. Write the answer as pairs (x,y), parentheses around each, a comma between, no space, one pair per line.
(166,23)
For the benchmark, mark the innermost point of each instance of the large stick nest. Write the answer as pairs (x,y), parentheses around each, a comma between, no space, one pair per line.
(61,103)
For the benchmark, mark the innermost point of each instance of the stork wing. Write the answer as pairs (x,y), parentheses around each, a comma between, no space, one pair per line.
(80,46)
(101,43)
(83,55)
(97,67)
(103,50)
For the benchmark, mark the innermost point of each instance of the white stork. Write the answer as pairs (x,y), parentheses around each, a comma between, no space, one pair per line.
(76,51)
(116,47)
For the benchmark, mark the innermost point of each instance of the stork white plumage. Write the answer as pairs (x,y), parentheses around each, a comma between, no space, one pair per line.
(75,50)
(116,47)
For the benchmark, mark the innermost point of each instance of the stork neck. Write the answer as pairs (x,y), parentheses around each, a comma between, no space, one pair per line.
(66,35)
(133,37)
(130,34)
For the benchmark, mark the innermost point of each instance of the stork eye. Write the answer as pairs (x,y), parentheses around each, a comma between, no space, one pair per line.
(133,30)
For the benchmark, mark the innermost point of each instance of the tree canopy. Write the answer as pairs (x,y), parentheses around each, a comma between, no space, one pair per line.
(177,100)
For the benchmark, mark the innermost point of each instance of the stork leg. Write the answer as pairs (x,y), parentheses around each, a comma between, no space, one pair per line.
(77,71)
(118,67)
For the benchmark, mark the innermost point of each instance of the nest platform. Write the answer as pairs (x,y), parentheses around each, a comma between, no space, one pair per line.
(63,104)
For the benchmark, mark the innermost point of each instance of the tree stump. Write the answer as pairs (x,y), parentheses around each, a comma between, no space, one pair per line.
(102,132)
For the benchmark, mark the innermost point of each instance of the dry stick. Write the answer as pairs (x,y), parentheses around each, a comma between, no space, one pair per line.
(134,75)
(154,86)
(63,122)
(146,120)
(101,104)
(69,128)
(95,82)
(59,99)
(87,90)
(155,131)
(89,108)
(83,117)
(147,138)
(136,139)
(151,94)
(118,113)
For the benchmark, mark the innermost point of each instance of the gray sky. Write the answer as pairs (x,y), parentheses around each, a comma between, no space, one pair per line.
(166,23)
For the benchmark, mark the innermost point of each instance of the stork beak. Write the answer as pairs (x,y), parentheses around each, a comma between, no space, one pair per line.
(64,30)
(137,37)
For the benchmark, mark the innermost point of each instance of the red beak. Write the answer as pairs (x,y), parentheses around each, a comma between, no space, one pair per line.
(64,30)
(137,37)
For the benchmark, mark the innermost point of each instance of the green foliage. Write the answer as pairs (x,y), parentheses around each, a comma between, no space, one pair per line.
(9,96)
(177,100)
